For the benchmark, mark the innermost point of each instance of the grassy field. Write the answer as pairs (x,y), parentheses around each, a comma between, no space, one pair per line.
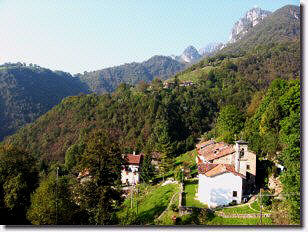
(152,201)
(245,209)
(239,221)
(255,205)
(195,75)
(189,158)
(190,189)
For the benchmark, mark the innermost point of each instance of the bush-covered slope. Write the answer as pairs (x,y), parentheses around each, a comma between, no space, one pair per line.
(27,92)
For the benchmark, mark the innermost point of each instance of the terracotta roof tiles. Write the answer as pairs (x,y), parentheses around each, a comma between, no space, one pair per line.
(216,150)
(204,144)
(133,159)
(212,170)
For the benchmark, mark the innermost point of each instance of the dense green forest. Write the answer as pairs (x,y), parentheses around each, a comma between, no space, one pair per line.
(27,92)
(252,95)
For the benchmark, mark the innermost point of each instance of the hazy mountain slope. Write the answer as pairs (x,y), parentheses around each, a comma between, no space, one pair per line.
(28,92)
(107,80)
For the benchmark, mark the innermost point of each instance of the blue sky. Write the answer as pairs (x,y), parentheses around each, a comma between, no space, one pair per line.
(85,35)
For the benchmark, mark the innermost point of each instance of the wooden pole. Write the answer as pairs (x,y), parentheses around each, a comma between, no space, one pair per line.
(260,201)
(137,200)
(57,196)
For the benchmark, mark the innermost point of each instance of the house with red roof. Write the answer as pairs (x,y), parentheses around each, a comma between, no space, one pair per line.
(225,172)
(130,171)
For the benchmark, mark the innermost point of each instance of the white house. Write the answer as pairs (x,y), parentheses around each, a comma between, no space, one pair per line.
(219,184)
(130,171)
(225,172)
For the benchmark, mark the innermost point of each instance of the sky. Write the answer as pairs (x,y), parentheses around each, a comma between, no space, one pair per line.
(86,35)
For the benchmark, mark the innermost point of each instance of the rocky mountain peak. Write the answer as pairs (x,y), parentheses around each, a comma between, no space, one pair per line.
(251,19)
(190,54)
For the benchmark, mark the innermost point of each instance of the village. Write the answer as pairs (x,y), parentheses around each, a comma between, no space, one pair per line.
(224,181)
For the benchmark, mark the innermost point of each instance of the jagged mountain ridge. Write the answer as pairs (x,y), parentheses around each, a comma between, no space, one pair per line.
(243,25)
(281,25)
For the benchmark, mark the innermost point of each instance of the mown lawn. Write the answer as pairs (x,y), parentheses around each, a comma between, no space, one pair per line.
(152,201)
(190,189)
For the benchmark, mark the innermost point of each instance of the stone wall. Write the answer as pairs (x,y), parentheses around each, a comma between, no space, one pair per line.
(251,215)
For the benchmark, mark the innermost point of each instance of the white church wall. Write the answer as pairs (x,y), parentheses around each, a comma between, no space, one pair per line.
(218,190)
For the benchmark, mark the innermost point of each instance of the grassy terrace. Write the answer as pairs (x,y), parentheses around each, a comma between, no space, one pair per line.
(152,201)
(189,158)
(190,189)
(245,209)
(193,76)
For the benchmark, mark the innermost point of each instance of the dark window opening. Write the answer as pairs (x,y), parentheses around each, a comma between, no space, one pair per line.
(242,153)
(248,167)
(234,193)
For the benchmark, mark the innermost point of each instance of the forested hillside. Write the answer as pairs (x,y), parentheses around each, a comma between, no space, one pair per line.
(185,113)
(27,92)
(108,79)
(251,94)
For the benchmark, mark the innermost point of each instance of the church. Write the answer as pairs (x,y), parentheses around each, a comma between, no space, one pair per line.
(226,172)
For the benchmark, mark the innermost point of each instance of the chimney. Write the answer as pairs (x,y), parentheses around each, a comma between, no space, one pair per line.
(134,153)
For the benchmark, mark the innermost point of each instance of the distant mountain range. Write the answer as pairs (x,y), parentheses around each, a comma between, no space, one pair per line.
(26,92)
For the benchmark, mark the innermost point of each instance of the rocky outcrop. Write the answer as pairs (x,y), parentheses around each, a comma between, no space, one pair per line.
(251,19)
(275,184)
(190,54)
(210,48)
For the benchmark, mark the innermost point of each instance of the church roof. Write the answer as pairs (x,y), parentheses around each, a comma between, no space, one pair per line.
(216,150)
(204,144)
(212,170)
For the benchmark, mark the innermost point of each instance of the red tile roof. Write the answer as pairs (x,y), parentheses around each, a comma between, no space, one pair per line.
(133,159)
(204,144)
(212,170)
(216,150)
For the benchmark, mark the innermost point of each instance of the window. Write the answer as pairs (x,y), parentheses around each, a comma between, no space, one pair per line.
(248,167)
(242,153)
(234,193)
